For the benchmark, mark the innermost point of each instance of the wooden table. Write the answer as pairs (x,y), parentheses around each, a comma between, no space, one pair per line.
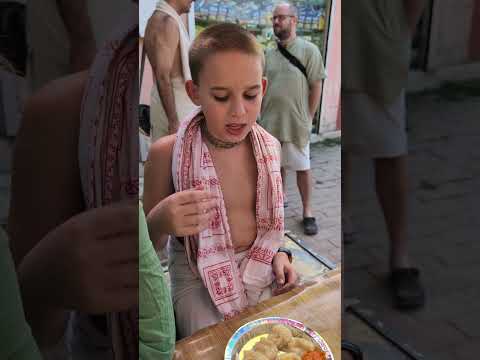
(316,304)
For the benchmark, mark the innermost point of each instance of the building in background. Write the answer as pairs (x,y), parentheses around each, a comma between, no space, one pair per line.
(447,43)
(319,22)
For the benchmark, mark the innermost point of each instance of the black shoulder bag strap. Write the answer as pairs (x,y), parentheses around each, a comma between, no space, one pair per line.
(293,60)
(144,110)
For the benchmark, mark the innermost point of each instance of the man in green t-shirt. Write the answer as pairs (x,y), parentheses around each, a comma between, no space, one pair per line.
(376,38)
(291,100)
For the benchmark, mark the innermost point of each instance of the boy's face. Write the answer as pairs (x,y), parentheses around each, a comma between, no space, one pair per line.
(230,90)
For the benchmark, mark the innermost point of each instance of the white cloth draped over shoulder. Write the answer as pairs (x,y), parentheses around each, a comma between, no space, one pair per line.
(211,254)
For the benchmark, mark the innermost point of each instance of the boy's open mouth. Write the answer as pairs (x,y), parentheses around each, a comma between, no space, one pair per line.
(235,129)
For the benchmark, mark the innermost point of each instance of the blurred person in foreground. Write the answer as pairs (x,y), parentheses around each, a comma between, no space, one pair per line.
(376,36)
(216,188)
(295,72)
(73,221)
(17,340)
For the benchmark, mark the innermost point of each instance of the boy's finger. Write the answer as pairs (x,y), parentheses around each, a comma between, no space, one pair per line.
(279,275)
(283,289)
(193,195)
(198,208)
(291,276)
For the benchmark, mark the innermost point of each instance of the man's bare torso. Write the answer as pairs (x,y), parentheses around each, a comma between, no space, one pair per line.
(162,19)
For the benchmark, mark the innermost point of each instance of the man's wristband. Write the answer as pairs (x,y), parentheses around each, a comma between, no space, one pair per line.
(287,252)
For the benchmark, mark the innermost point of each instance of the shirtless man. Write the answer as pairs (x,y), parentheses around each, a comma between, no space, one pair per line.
(216,186)
(166,43)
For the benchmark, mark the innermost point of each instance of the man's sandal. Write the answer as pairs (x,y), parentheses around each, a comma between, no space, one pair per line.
(408,292)
(352,349)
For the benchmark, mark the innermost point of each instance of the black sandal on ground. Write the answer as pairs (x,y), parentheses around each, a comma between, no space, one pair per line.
(310,226)
(352,349)
(408,292)
(350,237)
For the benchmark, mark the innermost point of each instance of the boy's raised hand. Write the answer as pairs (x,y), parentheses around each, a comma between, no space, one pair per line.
(183,213)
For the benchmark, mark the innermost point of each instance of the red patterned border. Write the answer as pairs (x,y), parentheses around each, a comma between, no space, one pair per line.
(214,275)
(262,255)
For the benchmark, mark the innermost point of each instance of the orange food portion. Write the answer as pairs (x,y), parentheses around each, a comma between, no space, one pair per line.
(314,355)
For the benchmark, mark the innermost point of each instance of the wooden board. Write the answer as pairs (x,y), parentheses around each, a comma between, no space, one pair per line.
(317,304)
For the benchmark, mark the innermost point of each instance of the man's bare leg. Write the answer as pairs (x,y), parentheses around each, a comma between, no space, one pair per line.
(391,185)
(304,183)
(283,173)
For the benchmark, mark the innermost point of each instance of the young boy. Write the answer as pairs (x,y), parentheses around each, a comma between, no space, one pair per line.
(216,187)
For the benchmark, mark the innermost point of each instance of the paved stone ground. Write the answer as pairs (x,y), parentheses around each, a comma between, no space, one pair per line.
(326,172)
(444,166)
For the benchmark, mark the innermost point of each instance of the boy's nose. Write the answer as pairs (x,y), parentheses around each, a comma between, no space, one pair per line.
(238,109)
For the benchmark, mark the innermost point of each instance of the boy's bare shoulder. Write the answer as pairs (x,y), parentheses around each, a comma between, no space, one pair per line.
(161,151)
(58,98)
(163,146)
(158,172)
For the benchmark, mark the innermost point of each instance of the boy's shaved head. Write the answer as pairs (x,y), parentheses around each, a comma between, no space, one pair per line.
(221,38)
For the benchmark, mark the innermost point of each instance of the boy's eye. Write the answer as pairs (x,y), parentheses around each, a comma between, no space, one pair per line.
(250,96)
(221,98)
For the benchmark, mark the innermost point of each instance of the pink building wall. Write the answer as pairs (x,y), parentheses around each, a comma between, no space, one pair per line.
(329,114)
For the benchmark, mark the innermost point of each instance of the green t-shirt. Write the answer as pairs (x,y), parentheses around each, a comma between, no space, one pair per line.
(375,48)
(156,319)
(16,340)
(285,112)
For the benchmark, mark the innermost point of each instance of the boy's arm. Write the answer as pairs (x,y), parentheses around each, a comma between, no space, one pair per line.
(46,188)
(158,185)
(168,212)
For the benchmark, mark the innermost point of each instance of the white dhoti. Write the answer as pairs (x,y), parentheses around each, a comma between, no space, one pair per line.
(183,107)
(194,309)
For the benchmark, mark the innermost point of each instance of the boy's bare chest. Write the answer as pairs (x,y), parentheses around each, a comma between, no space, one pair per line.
(238,179)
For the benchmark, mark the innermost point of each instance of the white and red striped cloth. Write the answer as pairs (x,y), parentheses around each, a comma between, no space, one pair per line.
(211,253)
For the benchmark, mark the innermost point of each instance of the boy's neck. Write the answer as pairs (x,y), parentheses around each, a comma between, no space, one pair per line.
(217,143)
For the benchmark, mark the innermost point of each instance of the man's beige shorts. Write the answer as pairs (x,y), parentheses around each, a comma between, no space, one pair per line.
(371,129)
(295,159)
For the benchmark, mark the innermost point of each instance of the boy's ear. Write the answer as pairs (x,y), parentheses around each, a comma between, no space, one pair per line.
(193,92)
(264,85)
